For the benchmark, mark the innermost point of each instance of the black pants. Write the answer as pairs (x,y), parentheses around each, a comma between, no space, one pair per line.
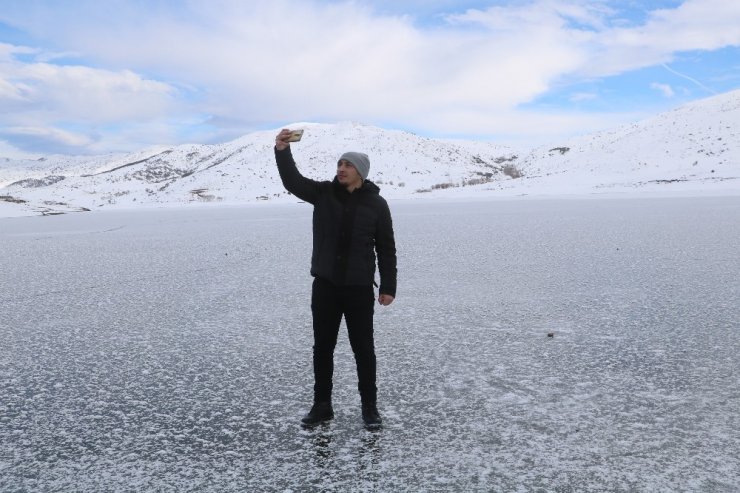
(328,304)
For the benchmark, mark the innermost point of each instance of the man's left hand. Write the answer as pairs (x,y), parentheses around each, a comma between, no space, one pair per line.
(385,299)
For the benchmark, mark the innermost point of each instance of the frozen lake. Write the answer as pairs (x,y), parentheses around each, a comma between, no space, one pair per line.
(170,350)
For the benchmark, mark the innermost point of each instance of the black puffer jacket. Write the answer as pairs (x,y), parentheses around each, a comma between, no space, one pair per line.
(348,228)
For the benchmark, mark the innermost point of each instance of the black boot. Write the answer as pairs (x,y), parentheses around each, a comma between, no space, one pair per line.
(320,412)
(371,417)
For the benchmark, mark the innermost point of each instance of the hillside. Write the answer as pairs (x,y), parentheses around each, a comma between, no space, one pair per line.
(696,147)
(244,170)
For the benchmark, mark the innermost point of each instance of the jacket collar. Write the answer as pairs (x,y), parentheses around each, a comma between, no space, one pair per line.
(366,187)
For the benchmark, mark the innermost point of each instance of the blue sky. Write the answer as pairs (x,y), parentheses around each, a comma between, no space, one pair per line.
(84,77)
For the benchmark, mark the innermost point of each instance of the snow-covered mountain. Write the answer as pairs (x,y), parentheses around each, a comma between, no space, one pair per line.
(696,146)
(244,170)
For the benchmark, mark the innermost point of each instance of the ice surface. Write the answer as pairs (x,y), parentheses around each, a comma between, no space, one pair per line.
(171,350)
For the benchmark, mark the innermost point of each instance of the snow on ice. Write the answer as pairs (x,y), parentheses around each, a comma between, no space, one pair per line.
(171,350)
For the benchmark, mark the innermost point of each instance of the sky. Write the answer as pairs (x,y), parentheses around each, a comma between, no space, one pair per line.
(91,77)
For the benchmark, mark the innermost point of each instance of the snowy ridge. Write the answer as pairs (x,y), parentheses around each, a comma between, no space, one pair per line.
(698,142)
(695,147)
(244,170)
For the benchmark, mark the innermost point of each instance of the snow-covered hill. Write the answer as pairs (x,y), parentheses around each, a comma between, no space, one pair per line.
(244,170)
(696,146)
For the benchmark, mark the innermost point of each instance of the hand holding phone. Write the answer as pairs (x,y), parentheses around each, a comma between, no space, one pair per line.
(295,135)
(286,136)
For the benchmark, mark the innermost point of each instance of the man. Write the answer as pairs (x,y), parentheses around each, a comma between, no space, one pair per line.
(351,222)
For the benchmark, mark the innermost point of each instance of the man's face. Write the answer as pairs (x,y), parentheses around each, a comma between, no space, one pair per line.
(348,175)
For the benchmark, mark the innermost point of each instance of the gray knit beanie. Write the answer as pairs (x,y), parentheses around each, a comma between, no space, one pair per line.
(360,161)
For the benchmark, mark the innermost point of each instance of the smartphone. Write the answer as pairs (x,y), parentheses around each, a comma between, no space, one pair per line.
(295,135)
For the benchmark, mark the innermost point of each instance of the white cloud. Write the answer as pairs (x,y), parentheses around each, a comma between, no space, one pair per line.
(54,140)
(61,136)
(81,93)
(666,89)
(536,15)
(7,51)
(38,99)
(294,60)
(10,91)
(287,57)
(694,25)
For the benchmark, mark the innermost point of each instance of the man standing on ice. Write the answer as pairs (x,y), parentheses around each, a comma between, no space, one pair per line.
(351,222)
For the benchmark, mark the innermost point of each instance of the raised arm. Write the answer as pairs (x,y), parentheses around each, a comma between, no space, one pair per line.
(293,181)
